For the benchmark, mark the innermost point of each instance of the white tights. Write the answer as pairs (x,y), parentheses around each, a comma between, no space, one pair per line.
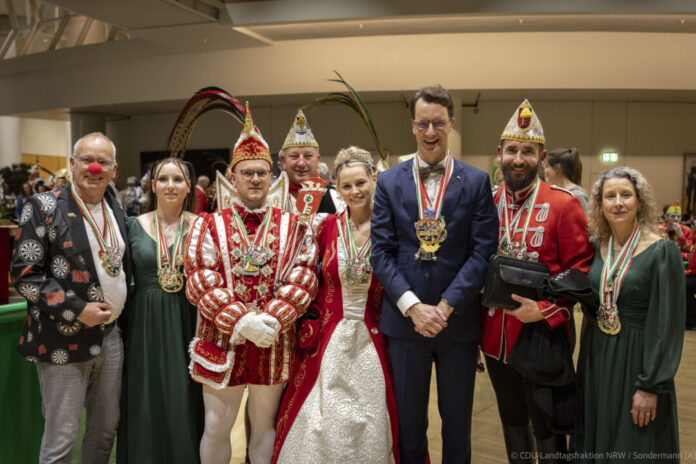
(221,408)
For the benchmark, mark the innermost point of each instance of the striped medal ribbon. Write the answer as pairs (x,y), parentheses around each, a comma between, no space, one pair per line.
(505,246)
(613,273)
(357,261)
(108,252)
(169,275)
(257,253)
(431,228)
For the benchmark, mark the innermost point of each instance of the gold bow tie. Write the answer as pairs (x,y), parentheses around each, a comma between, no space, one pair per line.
(428,171)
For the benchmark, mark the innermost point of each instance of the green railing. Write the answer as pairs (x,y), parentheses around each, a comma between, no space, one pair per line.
(21,422)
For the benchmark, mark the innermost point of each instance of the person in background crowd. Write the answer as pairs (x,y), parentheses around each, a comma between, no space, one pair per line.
(161,324)
(235,262)
(630,352)
(131,199)
(323,171)
(201,195)
(22,199)
(299,157)
(541,223)
(344,360)
(680,234)
(72,264)
(40,186)
(563,168)
(433,228)
(145,187)
(61,179)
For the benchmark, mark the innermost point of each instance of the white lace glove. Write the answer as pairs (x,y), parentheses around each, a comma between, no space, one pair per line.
(252,327)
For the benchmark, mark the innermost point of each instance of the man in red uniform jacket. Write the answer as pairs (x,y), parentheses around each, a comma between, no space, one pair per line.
(538,222)
(201,198)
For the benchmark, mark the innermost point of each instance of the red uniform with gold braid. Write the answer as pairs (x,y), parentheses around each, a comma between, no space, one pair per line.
(217,286)
(556,237)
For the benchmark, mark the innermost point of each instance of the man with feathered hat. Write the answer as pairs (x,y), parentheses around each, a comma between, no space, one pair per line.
(250,273)
(542,223)
(299,157)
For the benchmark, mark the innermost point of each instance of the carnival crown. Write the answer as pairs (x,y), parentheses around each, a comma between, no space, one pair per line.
(300,135)
(524,125)
(250,144)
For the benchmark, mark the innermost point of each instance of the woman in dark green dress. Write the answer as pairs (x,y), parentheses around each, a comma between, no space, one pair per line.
(630,353)
(162,407)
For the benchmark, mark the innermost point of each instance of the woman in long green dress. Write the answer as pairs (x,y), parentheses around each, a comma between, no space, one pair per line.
(162,407)
(630,353)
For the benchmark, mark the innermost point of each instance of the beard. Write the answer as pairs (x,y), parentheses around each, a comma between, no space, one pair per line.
(519,181)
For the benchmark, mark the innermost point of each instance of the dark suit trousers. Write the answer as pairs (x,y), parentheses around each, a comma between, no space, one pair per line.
(455,364)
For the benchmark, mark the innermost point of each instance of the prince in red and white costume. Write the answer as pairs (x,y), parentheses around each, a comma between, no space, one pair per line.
(538,222)
(248,303)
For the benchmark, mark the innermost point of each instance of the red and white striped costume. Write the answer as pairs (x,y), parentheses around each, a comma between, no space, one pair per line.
(216,285)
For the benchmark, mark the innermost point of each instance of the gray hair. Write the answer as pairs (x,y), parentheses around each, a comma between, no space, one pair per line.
(90,135)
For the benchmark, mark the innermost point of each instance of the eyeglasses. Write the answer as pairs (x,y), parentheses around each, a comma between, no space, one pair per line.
(86,160)
(423,126)
(248,174)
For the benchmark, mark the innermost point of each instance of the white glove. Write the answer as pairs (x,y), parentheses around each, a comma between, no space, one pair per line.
(270,321)
(253,328)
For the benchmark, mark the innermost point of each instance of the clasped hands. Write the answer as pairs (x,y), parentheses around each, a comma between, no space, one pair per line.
(429,320)
(261,329)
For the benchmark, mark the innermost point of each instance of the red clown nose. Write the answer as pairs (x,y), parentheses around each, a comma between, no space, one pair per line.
(95,168)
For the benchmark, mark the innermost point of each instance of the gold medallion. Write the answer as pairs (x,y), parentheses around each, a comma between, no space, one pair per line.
(171,280)
(431,233)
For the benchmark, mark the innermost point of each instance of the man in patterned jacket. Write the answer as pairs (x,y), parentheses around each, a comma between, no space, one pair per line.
(71,263)
(250,271)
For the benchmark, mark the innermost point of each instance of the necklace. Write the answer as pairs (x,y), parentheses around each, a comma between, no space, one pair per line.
(257,253)
(613,273)
(358,267)
(431,228)
(108,252)
(171,279)
(506,246)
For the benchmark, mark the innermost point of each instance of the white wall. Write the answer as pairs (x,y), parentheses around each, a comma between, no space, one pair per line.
(45,137)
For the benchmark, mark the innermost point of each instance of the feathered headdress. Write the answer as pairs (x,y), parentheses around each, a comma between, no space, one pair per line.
(211,98)
(354,101)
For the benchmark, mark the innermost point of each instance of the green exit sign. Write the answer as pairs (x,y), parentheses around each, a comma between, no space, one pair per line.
(610,157)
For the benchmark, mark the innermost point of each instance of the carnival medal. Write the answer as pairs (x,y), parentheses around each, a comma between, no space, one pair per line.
(255,254)
(109,254)
(431,228)
(613,273)
(358,267)
(506,246)
(169,275)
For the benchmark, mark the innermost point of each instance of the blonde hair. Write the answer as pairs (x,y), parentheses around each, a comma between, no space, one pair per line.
(598,226)
(354,156)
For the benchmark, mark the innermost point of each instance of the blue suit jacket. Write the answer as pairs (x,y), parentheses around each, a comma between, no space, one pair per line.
(460,270)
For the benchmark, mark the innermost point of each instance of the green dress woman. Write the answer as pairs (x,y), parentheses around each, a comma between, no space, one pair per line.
(162,407)
(630,353)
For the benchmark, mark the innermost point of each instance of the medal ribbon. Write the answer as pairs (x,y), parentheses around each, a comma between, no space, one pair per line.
(348,240)
(613,272)
(163,258)
(109,228)
(528,205)
(262,232)
(423,199)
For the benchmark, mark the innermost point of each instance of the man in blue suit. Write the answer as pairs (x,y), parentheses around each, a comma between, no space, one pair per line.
(434,226)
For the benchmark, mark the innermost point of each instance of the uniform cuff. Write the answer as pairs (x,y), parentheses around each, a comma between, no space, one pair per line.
(407,300)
